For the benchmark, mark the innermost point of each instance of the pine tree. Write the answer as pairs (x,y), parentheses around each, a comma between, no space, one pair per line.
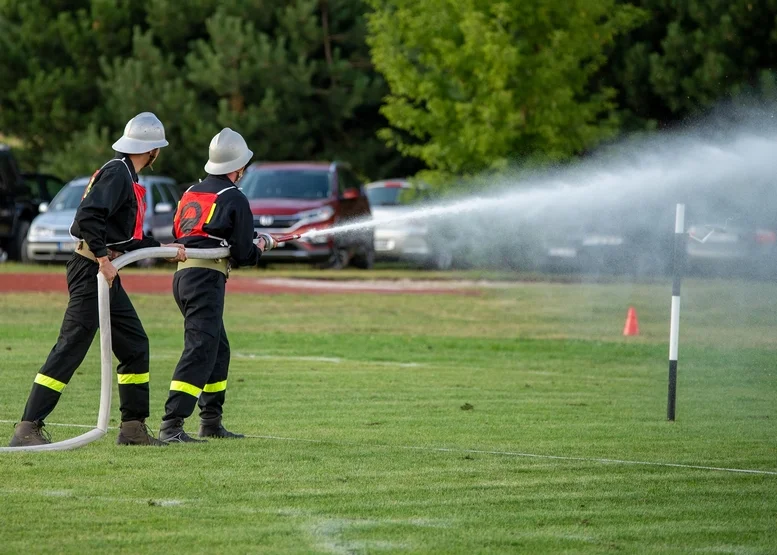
(692,55)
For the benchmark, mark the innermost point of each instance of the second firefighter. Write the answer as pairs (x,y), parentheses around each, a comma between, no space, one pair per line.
(213,213)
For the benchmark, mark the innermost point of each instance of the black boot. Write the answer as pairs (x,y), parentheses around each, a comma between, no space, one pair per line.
(211,427)
(171,431)
(135,432)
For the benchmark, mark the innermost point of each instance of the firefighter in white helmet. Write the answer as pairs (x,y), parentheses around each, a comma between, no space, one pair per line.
(212,213)
(108,221)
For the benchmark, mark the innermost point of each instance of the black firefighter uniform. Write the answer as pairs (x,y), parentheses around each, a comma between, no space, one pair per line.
(213,213)
(110,216)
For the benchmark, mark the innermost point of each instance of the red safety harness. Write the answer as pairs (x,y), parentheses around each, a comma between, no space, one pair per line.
(195,211)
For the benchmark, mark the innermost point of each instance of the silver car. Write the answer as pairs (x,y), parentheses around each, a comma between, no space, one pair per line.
(415,241)
(49,237)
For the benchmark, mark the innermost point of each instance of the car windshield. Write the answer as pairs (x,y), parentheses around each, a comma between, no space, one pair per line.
(68,198)
(395,196)
(303,184)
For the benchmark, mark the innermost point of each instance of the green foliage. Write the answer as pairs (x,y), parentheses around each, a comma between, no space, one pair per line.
(293,77)
(495,81)
(464,88)
(692,54)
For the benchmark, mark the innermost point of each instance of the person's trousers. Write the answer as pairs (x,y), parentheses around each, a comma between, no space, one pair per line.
(130,345)
(201,374)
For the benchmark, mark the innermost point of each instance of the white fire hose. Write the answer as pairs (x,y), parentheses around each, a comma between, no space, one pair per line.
(106,349)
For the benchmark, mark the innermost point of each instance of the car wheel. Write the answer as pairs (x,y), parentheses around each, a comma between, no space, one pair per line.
(18,245)
(337,260)
(366,260)
(441,260)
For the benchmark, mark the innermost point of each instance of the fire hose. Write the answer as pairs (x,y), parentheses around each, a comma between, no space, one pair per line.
(106,347)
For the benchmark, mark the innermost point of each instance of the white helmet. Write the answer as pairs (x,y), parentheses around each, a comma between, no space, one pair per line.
(228,153)
(142,134)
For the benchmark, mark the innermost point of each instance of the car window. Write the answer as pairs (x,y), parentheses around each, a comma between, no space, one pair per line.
(271,183)
(53,186)
(68,198)
(32,187)
(347,180)
(172,193)
(396,196)
(158,194)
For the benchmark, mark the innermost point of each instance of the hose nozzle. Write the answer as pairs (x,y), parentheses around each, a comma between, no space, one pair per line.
(272,241)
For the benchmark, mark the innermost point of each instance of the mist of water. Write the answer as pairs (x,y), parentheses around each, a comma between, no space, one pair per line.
(724,170)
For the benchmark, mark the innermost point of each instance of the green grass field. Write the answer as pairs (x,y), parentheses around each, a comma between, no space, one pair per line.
(398,423)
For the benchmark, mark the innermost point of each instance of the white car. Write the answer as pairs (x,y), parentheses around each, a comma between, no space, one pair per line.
(413,240)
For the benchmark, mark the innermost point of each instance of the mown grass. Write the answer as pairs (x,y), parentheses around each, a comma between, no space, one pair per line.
(354,396)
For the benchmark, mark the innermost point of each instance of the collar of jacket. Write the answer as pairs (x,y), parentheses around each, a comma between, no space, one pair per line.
(126,159)
(223,178)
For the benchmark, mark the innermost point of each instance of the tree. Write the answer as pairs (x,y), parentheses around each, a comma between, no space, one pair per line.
(692,54)
(49,70)
(294,77)
(477,84)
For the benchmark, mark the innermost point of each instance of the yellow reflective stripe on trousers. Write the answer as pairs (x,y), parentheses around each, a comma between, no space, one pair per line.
(125,379)
(192,390)
(51,383)
(215,387)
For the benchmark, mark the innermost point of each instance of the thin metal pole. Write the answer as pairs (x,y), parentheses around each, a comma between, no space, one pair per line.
(674,320)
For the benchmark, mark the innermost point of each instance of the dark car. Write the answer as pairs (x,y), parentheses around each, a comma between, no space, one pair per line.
(612,242)
(21,196)
(294,197)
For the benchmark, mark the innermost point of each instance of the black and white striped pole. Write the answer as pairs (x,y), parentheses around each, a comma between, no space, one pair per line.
(674,321)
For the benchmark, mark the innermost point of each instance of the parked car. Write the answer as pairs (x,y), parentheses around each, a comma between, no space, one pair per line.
(21,195)
(612,243)
(734,233)
(49,237)
(294,197)
(421,242)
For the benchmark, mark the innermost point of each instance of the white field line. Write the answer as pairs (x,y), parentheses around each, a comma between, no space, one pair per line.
(333,360)
(329,360)
(75,495)
(479,452)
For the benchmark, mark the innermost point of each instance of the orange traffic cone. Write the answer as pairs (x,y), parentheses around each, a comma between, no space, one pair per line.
(632,326)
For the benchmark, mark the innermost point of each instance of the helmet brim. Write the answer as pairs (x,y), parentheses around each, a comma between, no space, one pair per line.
(134,146)
(224,168)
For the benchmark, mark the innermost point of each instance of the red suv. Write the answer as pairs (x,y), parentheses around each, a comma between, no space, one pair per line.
(294,197)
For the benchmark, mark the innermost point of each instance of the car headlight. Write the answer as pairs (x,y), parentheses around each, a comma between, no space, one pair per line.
(317,215)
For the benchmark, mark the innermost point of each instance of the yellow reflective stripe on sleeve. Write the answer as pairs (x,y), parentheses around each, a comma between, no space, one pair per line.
(51,383)
(125,379)
(215,387)
(192,390)
(210,215)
